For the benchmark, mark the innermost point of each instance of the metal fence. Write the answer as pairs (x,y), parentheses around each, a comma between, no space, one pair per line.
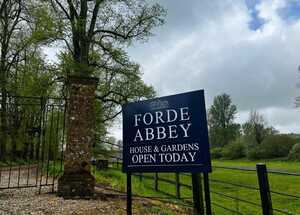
(32,138)
(260,187)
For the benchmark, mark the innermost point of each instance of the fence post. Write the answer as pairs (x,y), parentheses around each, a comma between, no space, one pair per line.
(177,181)
(207,194)
(156,182)
(264,189)
(197,194)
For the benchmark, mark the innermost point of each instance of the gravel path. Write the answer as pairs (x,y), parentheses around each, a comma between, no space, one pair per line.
(27,201)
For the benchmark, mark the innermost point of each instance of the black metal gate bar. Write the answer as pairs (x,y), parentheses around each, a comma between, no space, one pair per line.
(45,114)
(56,146)
(19,173)
(38,149)
(62,137)
(35,135)
(49,142)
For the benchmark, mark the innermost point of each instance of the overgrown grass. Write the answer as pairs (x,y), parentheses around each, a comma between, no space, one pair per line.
(7,163)
(54,168)
(281,183)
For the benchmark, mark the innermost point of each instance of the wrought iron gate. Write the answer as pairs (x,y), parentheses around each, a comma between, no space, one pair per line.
(32,139)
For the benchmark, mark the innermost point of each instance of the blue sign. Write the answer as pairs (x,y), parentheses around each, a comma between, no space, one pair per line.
(167,134)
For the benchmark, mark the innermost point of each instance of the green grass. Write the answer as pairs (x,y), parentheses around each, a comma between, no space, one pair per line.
(17,162)
(290,166)
(281,183)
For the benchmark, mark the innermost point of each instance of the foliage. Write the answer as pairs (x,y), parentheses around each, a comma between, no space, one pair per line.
(24,27)
(234,150)
(35,77)
(256,130)
(103,28)
(216,152)
(55,169)
(96,34)
(277,146)
(294,153)
(255,153)
(272,147)
(222,129)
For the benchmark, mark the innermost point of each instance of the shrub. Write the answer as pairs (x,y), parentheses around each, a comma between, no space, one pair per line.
(216,152)
(255,153)
(294,153)
(272,147)
(277,146)
(234,150)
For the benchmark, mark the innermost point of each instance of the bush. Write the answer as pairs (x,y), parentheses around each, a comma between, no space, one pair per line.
(277,146)
(272,147)
(294,153)
(234,150)
(216,152)
(255,153)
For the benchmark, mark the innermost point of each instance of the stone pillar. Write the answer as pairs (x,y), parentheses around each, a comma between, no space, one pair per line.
(77,180)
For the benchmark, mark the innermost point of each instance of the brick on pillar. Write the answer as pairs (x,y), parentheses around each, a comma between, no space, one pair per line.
(77,180)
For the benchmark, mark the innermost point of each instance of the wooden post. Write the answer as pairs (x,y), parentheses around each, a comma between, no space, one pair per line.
(264,188)
(197,194)
(129,194)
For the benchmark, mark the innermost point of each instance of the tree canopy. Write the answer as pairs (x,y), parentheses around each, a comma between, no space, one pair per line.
(96,31)
(255,129)
(92,37)
(222,128)
(95,35)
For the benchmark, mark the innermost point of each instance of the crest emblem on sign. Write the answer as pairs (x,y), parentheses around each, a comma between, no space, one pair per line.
(159,104)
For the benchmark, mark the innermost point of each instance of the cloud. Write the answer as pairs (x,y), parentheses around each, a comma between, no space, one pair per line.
(210,44)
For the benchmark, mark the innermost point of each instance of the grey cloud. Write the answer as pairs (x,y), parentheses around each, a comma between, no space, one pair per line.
(208,44)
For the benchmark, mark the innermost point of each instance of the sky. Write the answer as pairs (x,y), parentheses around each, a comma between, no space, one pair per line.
(249,49)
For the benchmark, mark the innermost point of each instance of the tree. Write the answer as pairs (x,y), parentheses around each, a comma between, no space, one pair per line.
(22,24)
(33,79)
(95,31)
(95,34)
(256,130)
(222,128)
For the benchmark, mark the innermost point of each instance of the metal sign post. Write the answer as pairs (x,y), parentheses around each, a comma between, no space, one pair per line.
(197,194)
(129,194)
(207,194)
